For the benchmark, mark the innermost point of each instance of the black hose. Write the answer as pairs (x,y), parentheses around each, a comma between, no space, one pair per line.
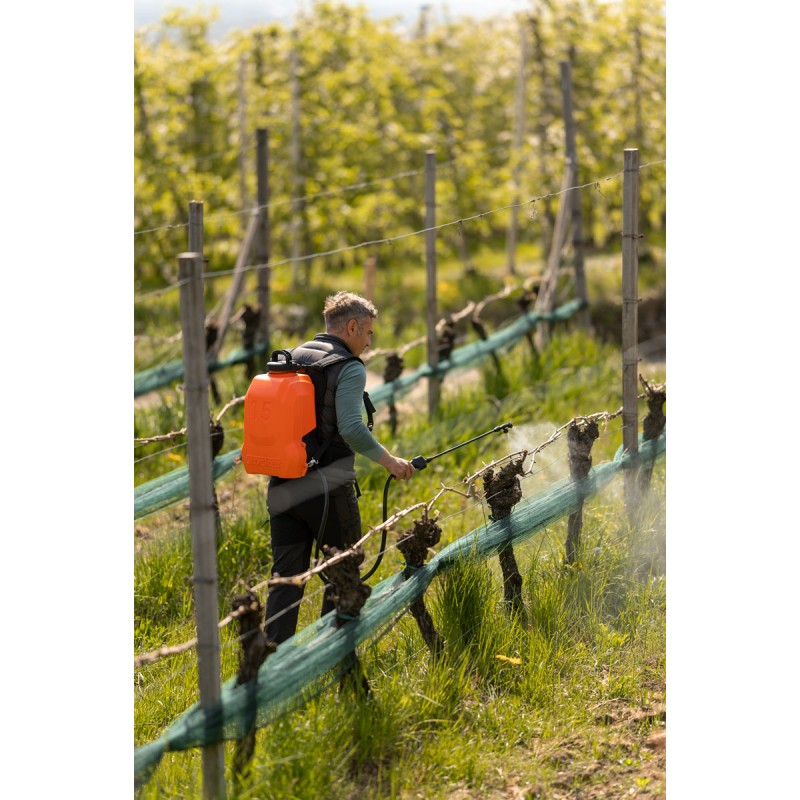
(323,521)
(384,532)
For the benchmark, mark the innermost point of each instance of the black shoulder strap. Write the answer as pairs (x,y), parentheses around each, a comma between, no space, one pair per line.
(333,358)
(319,366)
(370,409)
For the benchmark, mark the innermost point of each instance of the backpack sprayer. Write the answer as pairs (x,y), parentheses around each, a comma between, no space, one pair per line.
(419,463)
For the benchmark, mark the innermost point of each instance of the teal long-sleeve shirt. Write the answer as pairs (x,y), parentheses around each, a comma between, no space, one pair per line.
(349,404)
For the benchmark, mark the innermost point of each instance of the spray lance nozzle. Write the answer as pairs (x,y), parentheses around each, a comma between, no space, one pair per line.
(420,462)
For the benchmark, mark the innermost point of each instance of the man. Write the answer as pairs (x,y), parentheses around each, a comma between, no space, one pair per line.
(327,493)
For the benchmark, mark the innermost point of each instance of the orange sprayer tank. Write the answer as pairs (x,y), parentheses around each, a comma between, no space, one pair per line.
(278,413)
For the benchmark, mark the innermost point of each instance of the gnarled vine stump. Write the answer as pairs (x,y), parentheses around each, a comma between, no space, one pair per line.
(503,492)
(414,546)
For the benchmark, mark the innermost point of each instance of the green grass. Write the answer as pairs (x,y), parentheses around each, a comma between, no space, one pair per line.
(511,702)
(552,704)
(503,702)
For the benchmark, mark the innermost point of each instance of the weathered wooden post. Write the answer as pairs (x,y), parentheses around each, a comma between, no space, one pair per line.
(540,62)
(370,269)
(201,507)
(519,138)
(546,298)
(236,283)
(575,196)
(434,383)
(196,244)
(196,228)
(251,318)
(569,216)
(630,318)
(263,236)
(296,158)
(243,131)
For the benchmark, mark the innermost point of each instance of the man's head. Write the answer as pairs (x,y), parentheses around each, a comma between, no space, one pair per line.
(349,316)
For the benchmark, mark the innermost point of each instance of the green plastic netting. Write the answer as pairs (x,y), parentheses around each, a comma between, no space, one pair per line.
(463,356)
(174,486)
(149,379)
(298,662)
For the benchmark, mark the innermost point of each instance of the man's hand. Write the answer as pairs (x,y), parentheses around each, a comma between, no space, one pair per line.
(398,468)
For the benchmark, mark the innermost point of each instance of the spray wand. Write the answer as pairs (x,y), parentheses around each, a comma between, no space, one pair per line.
(419,463)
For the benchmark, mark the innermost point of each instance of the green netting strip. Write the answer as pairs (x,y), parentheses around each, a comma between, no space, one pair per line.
(462,356)
(167,489)
(149,379)
(174,486)
(288,674)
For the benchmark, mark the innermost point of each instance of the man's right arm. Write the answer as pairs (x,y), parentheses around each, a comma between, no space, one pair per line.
(349,399)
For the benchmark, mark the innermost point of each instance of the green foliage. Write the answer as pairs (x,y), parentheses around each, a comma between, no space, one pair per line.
(163,589)
(163,569)
(156,458)
(367,100)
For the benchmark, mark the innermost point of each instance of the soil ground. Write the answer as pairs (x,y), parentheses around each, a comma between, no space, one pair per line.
(617,760)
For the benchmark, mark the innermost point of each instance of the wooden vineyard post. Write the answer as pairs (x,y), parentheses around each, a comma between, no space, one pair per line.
(370,269)
(569,215)
(298,202)
(196,244)
(251,318)
(579,440)
(519,138)
(236,283)
(630,319)
(546,298)
(243,131)
(434,383)
(263,236)
(575,196)
(540,60)
(201,507)
(196,228)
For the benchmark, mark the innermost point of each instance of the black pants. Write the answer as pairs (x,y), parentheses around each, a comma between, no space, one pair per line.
(295,519)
